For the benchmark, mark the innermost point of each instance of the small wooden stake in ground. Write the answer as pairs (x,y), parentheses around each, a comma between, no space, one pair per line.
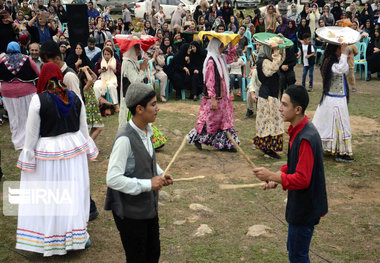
(239,186)
(175,155)
(188,178)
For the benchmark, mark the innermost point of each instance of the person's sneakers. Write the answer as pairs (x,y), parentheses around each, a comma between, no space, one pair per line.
(310,89)
(354,90)
(344,158)
(198,145)
(249,114)
(272,154)
(93,215)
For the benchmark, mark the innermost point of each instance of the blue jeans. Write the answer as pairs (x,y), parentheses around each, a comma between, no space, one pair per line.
(239,80)
(299,238)
(311,72)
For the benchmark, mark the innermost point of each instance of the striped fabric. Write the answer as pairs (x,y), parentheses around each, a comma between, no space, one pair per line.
(62,154)
(31,167)
(43,244)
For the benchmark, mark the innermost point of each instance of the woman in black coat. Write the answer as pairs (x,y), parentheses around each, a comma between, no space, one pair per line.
(197,58)
(336,11)
(178,70)
(373,55)
(8,30)
(366,14)
(227,12)
(62,15)
(78,59)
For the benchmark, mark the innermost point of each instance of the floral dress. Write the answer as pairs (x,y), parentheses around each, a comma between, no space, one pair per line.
(212,125)
(94,118)
(269,124)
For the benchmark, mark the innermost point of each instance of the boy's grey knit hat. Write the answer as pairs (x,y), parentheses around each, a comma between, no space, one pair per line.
(136,93)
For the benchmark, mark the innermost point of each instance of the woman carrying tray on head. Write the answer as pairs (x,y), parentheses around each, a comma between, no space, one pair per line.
(331,118)
(133,72)
(216,115)
(269,124)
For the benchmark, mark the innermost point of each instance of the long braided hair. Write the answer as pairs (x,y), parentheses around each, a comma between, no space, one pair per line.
(330,58)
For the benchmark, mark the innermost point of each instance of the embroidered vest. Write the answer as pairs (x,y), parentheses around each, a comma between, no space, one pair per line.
(218,84)
(52,122)
(144,205)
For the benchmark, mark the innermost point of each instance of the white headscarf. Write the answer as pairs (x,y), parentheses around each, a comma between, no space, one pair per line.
(131,56)
(213,52)
(109,76)
(177,17)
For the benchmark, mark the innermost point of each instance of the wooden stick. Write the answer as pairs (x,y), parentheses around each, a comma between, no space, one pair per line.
(175,155)
(240,150)
(239,186)
(188,178)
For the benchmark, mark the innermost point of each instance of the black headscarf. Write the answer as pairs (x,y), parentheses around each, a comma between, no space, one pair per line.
(7,32)
(165,48)
(336,11)
(72,58)
(197,58)
(302,30)
(179,57)
(197,13)
(369,16)
(62,15)
(178,61)
(303,13)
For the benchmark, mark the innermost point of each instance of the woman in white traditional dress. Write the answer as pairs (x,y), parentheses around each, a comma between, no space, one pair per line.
(107,82)
(54,160)
(18,74)
(131,72)
(331,118)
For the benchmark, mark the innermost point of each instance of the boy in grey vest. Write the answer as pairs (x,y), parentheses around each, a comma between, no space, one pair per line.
(133,179)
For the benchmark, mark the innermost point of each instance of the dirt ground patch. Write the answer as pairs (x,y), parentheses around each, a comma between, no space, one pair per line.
(180,108)
(359,125)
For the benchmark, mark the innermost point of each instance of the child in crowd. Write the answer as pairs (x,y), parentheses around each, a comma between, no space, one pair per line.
(160,16)
(308,59)
(235,72)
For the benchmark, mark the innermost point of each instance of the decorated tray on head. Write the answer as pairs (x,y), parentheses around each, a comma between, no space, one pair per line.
(338,35)
(127,41)
(271,39)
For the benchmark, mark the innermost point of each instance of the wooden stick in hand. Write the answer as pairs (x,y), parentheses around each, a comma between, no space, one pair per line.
(239,186)
(240,150)
(175,155)
(188,178)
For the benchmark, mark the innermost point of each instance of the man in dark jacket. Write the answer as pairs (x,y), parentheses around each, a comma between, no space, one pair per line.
(303,175)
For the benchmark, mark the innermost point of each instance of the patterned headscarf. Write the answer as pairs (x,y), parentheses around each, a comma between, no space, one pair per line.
(14,60)
(213,52)
(51,80)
